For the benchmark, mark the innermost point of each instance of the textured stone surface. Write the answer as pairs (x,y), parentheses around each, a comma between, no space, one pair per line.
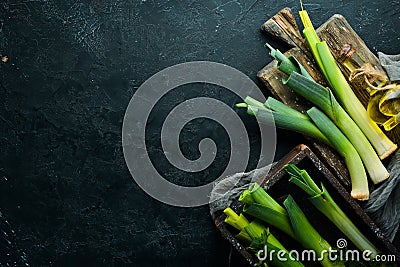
(72,68)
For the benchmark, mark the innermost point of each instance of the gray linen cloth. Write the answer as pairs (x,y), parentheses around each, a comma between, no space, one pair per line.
(383,205)
(391,64)
(227,189)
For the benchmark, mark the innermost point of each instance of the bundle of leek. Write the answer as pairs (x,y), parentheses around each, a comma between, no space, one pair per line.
(382,144)
(302,83)
(322,200)
(258,236)
(290,220)
(316,125)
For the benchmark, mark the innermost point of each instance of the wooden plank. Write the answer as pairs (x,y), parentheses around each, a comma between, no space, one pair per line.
(284,27)
(338,32)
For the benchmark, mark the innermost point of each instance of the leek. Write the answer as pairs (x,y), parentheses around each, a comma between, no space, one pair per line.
(322,200)
(253,229)
(288,64)
(279,220)
(276,113)
(261,197)
(292,123)
(259,236)
(382,144)
(353,161)
(237,221)
(289,220)
(266,209)
(324,99)
(311,37)
(246,197)
(307,235)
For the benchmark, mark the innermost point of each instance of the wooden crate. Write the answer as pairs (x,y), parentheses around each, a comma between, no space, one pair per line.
(277,184)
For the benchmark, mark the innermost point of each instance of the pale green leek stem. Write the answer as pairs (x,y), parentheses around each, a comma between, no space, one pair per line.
(272,217)
(382,144)
(245,197)
(353,161)
(288,122)
(261,197)
(306,234)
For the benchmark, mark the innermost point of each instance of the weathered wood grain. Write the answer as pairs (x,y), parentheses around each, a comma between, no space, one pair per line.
(284,27)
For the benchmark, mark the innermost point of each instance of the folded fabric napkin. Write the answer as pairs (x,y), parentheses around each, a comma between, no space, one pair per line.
(391,63)
(227,189)
(384,203)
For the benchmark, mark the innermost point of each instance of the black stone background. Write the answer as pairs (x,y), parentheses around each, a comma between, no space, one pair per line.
(73,67)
